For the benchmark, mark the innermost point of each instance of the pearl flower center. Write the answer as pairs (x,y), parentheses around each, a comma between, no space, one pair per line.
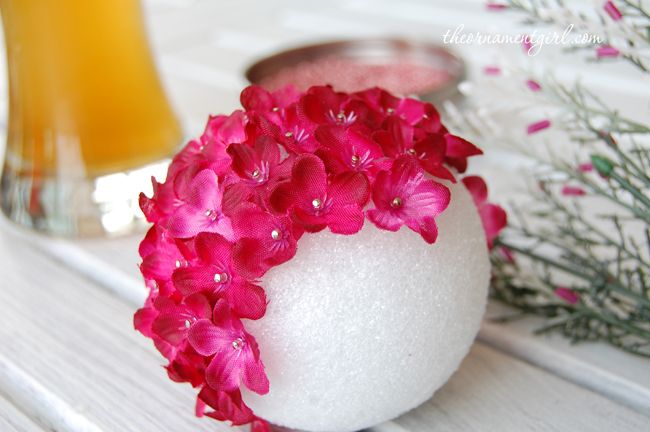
(238,343)
(221,277)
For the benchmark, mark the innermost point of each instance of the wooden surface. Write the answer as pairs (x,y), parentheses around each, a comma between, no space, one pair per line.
(71,361)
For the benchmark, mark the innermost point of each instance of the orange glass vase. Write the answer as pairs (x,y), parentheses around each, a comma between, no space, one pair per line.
(89,121)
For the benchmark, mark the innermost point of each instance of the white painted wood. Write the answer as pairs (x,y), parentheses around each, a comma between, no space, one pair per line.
(534,402)
(90,370)
(596,366)
(13,420)
(72,359)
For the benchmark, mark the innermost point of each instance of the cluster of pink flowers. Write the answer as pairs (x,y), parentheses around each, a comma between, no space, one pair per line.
(237,200)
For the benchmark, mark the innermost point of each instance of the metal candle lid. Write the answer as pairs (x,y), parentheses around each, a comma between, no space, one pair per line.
(365,57)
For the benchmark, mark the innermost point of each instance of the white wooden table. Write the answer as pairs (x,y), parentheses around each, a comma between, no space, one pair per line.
(71,361)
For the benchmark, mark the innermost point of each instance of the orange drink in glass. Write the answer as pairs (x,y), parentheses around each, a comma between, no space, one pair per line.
(88,117)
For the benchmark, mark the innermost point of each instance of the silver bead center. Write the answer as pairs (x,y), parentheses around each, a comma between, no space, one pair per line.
(275,234)
(316,203)
(238,343)
(221,277)
(396,202)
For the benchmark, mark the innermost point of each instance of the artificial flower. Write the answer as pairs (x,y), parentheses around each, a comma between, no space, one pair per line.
(201,210)
(316,202)
(223,269)
(493,217)
(403,196)
(236,357)
(227,406)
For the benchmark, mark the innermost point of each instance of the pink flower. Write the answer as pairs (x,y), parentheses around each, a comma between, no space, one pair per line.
(612,11)
(607,51)
(161,255)
(572,191)
(270,105)
(186,366)
(258,167)
(568,295)
(402,196)
(236,355)
(227,406)
(209,151)
(538,126)
(458,150)
(223,269)
(315,203)
(533,85)
(174,320)
(346,149)
(493,217)
(221,131)
(383,104)
(201,210)
(277,236)
(430,151)
(322,105)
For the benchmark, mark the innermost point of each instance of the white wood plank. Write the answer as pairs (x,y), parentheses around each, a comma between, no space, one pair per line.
(70,355)
(13,420)
(107,378)
(596,366)
(534,402)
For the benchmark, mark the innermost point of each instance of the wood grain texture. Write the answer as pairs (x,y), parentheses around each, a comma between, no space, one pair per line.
(534,401)
(71,360)
(121,364)
(70,355)
(13,420)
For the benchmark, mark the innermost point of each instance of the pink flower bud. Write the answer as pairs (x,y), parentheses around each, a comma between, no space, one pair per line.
(573,191)
(538,126)
(607,51)
(533,85)
(492,70)
(496,6)
(612,10)
(567,295)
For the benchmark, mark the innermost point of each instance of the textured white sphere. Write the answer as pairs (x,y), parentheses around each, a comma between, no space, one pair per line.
(360,329)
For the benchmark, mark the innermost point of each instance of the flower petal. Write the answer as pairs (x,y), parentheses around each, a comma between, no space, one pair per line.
(206,338)
(190,280)
(255,378)
(247,300)
(224,371)
(477,188)
(349,188)
(345,220)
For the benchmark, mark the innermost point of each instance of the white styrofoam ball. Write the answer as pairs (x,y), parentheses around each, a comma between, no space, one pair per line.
(360,329)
